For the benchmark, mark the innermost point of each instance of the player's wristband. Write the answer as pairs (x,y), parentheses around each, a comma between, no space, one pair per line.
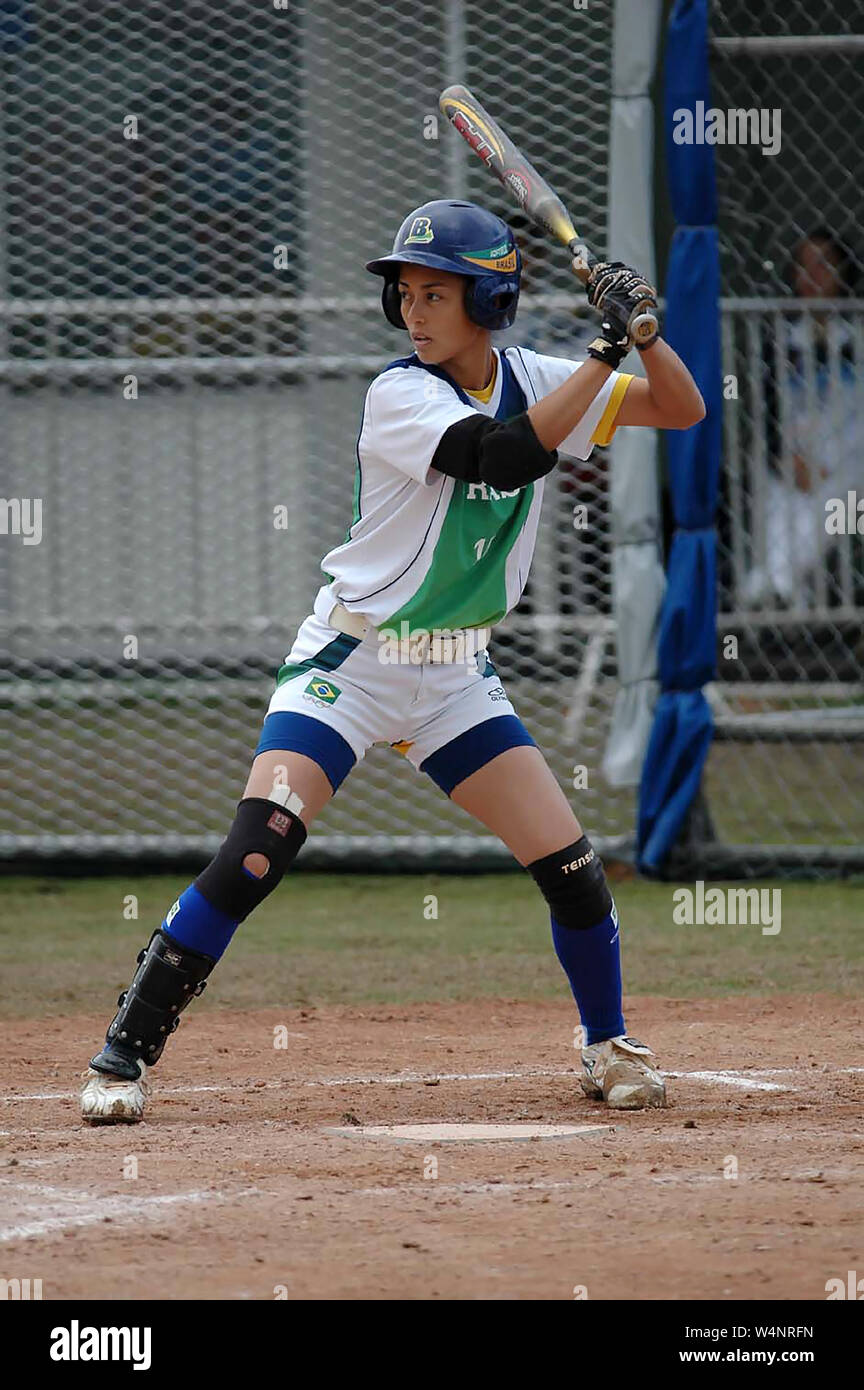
(610,353)
(640,347)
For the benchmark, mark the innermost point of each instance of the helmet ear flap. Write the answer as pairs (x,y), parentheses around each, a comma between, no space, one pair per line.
(390,303)
(486,304)
(492,305)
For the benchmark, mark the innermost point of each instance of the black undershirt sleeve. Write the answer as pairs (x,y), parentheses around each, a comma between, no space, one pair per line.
(505,454)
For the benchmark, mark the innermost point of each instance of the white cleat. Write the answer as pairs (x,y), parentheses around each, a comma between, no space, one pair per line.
(624,1073)
(112,1100)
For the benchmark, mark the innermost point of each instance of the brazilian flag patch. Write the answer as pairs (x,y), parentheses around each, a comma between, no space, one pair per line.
(323,690)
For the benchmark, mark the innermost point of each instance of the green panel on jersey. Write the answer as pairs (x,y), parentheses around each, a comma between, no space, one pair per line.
(327,659)
(466,583)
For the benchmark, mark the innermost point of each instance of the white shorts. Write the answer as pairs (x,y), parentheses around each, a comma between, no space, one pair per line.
(335,698)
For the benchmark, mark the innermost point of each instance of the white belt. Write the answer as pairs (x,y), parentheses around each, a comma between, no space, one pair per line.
(352,623)
(459,645)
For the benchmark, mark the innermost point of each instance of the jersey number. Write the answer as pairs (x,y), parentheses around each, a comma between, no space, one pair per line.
(482,546)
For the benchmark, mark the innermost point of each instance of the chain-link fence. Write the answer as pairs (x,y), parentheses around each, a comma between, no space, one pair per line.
(187,197)
(785,773)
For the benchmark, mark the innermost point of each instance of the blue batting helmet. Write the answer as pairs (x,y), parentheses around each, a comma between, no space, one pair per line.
(466,240)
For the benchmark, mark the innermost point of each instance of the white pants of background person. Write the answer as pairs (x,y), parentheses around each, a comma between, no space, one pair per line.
(795,543)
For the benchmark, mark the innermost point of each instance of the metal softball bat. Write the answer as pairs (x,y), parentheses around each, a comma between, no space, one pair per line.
(530,190)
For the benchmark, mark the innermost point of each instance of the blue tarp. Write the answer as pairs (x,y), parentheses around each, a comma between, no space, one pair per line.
(683,725)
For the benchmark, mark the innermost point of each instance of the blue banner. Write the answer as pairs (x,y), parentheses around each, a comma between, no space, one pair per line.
(687,641)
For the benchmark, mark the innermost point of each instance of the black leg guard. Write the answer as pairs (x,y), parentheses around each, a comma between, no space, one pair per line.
(169,974)
(169,977)
(574,885)
(260,827)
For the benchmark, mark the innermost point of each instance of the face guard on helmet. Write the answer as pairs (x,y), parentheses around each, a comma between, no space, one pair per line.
(465,240)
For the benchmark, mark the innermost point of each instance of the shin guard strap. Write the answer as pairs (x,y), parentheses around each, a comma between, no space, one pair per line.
(168,978)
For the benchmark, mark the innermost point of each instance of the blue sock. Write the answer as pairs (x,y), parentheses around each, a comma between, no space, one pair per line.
(194,923)
(592,963)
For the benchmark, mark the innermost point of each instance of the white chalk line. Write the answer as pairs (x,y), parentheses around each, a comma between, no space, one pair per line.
(722,1077)
(802,1071)
(397,1079)
(91,1210)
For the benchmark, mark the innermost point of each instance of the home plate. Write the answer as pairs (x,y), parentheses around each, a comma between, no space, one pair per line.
(469,1134)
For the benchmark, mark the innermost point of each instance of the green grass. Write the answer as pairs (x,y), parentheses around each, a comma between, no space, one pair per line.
(131,769)
(66,947)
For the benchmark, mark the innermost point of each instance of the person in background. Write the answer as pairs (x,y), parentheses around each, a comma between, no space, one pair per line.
(814,425)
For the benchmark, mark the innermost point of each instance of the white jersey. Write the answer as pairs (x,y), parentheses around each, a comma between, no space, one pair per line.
(433,550)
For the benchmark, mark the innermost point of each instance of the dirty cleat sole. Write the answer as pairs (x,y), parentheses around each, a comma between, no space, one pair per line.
(623,1072)
(112,1100)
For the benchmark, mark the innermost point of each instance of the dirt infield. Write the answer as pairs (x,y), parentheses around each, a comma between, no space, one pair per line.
(241,1193)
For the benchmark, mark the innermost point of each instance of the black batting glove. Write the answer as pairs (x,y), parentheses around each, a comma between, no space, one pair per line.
(606,347)
(617,290)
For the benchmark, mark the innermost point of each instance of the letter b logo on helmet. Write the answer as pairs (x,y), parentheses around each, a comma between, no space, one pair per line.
(421,230)
(466,240)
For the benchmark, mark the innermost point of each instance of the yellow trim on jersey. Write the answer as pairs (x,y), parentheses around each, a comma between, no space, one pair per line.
(486,394)
(607,427)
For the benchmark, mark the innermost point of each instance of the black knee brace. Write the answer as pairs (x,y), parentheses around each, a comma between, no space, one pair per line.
(260,827)
(574,885)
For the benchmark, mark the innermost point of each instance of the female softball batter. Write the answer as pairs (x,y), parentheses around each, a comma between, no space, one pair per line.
(455,442)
